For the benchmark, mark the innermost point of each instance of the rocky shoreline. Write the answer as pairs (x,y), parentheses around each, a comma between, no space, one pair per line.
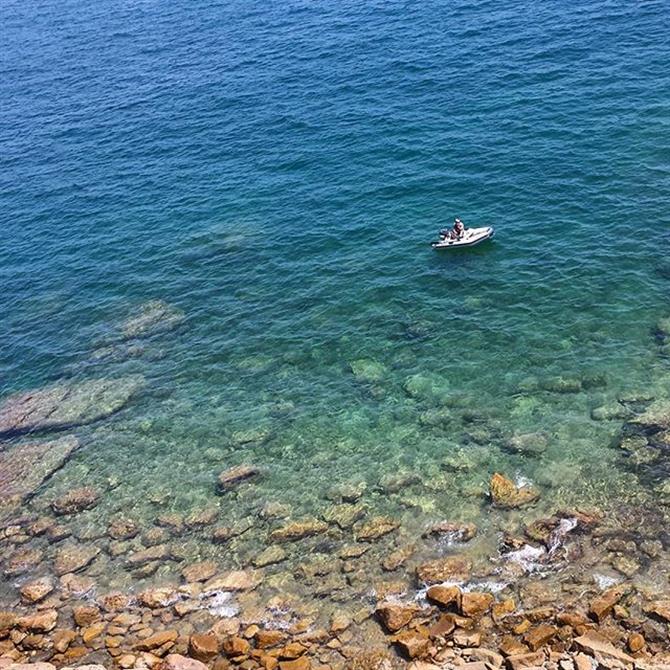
(345,587)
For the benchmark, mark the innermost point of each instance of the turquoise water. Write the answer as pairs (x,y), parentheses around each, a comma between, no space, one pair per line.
(276,172)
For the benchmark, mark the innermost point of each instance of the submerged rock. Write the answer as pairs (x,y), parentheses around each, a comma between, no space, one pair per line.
(562,385)
(297,530)
(376,528)
(344,515)
(532,444)
(155,316)
(656,416)
(26,466)
(453,531)
(395,616)
(75,500)
(236,475)
(74,557)
(447,569)
(66,405)
(368,371)
(506,495)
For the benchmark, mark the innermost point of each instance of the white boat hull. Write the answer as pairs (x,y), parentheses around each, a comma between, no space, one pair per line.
(470,238)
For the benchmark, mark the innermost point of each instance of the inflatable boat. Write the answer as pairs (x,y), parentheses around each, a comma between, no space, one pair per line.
(470,237)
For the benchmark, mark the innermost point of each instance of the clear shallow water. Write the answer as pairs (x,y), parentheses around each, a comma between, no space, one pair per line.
(276,173)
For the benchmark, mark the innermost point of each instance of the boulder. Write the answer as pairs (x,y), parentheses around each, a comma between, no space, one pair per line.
(656,416)
(66,405)
(235,580)
(122,528)
(446,596)
(530,444)
(601,648)
(199,572)
(231,477)
(506,495)
(42,622)
(540,635)
(412,643)
(368,371)
(475,604)
(75,501)
(25,467)
(446,569)
(344,515)
(74,557)
(162,639)
(395,616)
(150,318)
(297,530)
(602,605)
(37,589)
(159,552)
(21,561)
(269,556)
(157,598)
(376,528)
(178,662)
(203,646)
(659,609)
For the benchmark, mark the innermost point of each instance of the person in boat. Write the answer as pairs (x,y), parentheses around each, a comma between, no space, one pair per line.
(458,230)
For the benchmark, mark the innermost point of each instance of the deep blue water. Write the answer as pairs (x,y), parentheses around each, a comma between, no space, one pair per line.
(276,171)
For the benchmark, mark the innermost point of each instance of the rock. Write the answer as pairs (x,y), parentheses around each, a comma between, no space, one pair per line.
(63,638)
(562,385)
(344,515)
(530,444)
(611,412)
(446,596)
(427,387)
(235,580)
(199,572)
(297,530)
(453,532)
(85,615)
(656,416)
(510,646)
(234,646)
(164,638)
(201,518)
(375,529)
(231,477)
(157,598)
(491,658)
(602,605)
(89,634)
(584,662)
(271,555)
(540,635)
(636,642)
(66,405)
(178,662)
(506,495)
(27,466)
(76,586)
(395,616)
(412,643)
(394,482)
(42,622)
(467,638)
(475,604)
(302,663)
(367,371)
(75,500)
(74,557)
(203,646)
(37,589)
(598,646)
(347,491)
(21,561)
(521,661)
(159,552)
(150,318)
(659,609)
(397,558)
(449,568)
(121,528)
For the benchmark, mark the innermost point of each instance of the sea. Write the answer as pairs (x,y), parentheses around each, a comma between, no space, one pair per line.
(276,172)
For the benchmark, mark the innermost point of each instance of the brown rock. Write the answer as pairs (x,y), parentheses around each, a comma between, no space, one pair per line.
(85,615)
(178,662)
(62,639)
(397,558)
(22,561)
(199,572)
(593,643)
(297,530)
(467,638)
(234,646)
(475,604)
(37,589)
(204,646)
(510,646)
(75,501)
(446,596)
(539,636)
(74,557)
(7,622)
(156,640)
(376,528)
(235,580)
(636,642)
(302,663)
(202,517)
(521,661)
(501,609)
(266,639)
(157,598)
(506,495)
(395,616)
(231,477)
(121,528)
(95,630)
(583,662)
(42,622)
(659,609)
(159,552)
(449,568)
(412,643)
(602,605)
(270,556)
